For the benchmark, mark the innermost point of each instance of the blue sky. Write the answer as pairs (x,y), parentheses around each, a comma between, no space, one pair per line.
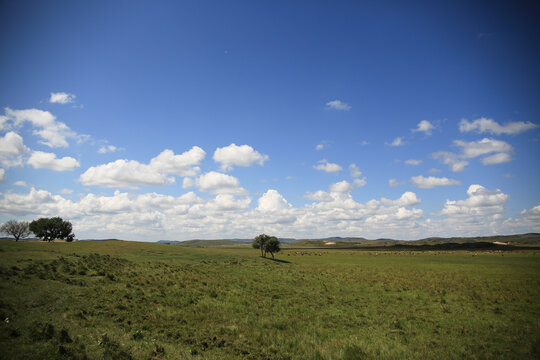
(203,119)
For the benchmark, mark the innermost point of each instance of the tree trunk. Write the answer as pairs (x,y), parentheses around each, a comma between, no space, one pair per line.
(272,255)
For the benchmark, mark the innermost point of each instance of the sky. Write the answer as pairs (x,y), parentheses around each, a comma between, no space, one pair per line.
(149,120)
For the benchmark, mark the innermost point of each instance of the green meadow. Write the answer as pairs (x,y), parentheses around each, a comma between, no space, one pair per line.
(128,300)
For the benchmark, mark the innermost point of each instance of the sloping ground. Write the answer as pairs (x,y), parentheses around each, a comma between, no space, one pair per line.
(129,300)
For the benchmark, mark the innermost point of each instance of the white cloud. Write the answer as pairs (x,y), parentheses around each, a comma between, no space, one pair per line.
(354,171)
(182,165)
(272,200)
(485,146)
(496,159)
(434,171)
(485,125)
(432,181)
(187,183)
(452,160)
(44,160)
(393,183)
(54,133)
(20,183)
(474,149)
(324,165)
(319,195)
(151,216)
(123,174)
(424,126)
(130,173)
(227,202)
(62,98)
(107,148)
(413,162)
(338,105)
(66,191)
(218,183)
(397,142)
(2,175)
(341,187)
(407,199)
(360,182)
(319,147)
(12,149)
(234,155)
(480,202)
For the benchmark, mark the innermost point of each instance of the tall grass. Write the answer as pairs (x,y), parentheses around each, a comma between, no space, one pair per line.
(121,300)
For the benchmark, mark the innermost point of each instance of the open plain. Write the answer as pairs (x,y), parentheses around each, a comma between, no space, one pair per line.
(121,300)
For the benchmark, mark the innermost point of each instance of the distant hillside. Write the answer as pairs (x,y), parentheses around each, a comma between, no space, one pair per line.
(211,243)
(531,239)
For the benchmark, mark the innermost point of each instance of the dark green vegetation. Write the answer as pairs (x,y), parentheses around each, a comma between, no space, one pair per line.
(122,300)
(266,244)
(48,229)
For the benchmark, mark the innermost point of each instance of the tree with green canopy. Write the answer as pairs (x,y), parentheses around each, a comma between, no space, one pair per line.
(48,229)
(272,246)
(267,244)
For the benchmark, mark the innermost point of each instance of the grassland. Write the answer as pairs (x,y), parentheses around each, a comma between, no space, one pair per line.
(122,300)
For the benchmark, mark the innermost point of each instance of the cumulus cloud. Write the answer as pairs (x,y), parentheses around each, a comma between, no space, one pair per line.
(218,183)
(496,159)
(130,173)
(12,149)
(393,183)
(45,160)
(482,147)
(319,147)
(61,98)
(452,160)
(328,167)
(2,175)
(397,142)
(319,195)
(341,187)
(480,202)
(107,149)
(184,164)
(424,126)
(338,105)
(122,174)
(485,125)
(354,171)
(272,200)
(407,199)
(432,181)
(234,155)
(474,149)
(413,162)
(151,216)
(360,182)
(20,183)
(53,133)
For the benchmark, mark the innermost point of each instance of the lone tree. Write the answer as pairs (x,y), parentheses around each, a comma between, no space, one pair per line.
(17,229)
(48,229)
(267,244)
(259,242)
(272,246)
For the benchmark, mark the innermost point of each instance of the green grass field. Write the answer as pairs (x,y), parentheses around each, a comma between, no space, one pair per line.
(122,300)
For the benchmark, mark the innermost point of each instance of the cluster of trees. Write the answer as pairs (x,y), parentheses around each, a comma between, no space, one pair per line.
(47,229)
(267,244)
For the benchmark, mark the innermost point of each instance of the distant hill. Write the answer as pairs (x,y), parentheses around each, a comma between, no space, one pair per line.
(225,242)
(531,239)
